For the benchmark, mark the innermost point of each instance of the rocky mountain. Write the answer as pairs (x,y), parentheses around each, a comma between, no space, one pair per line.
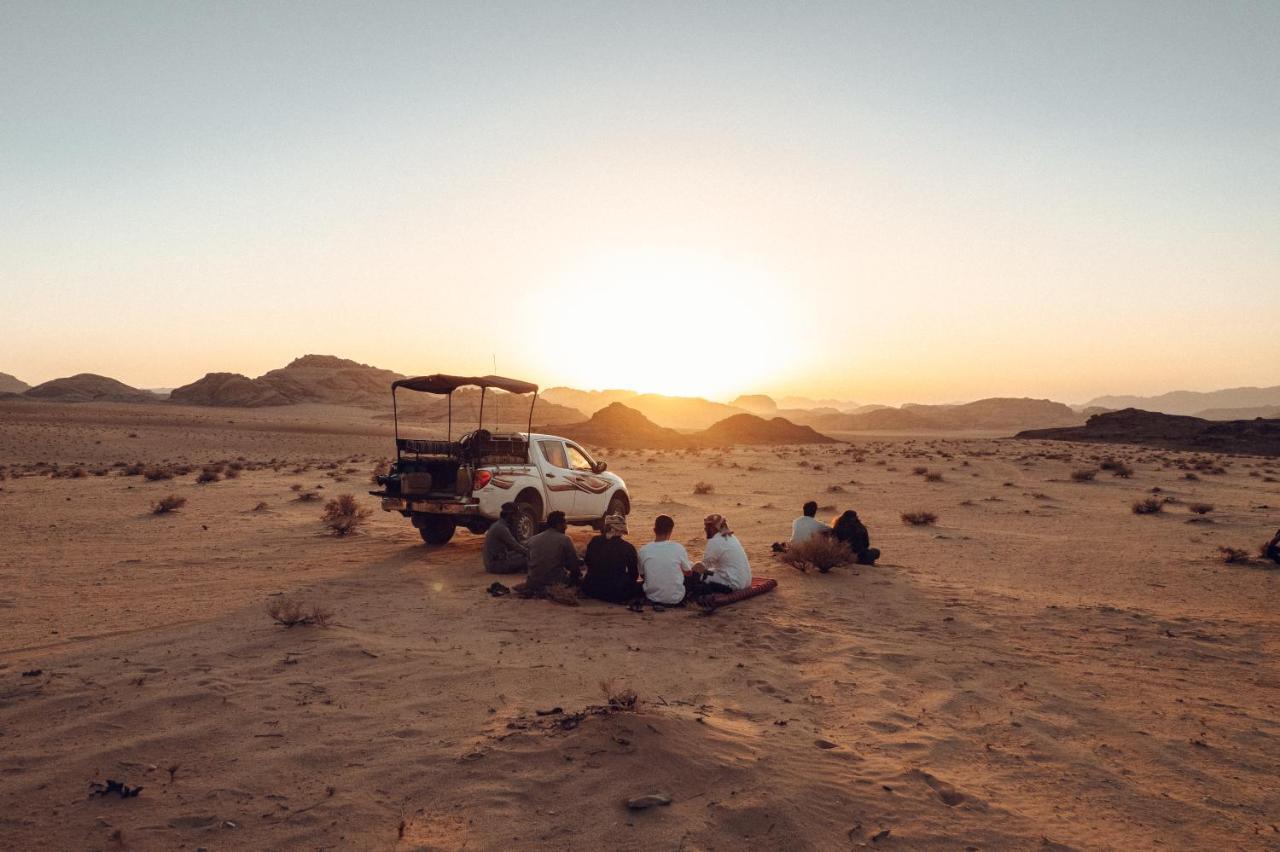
(1264,411)
(621,427)
(750,429)
(995,414)
(756,403)
(12,384)
(311,378)
(1191,402)
(588,402)
(1171,431)
(88,387)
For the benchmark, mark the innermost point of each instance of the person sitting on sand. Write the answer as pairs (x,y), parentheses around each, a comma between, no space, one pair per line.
(1272,550)
(849,530)
(613,568)
(552,558)
(807,525)
(724,566)
(664,564)
(503,552)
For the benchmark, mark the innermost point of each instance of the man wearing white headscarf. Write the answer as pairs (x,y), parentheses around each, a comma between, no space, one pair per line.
(724,566)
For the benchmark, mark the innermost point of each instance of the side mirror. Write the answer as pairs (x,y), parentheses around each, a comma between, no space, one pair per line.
(600,467)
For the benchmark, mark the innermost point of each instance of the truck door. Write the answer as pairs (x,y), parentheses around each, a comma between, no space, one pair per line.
(557,478)
(593,491)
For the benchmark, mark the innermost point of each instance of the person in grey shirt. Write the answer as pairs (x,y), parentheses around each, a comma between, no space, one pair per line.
(552,558)
(503,552)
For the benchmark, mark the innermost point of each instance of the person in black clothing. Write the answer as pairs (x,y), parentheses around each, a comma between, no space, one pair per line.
(613,572)
(851,531)
(1272,550)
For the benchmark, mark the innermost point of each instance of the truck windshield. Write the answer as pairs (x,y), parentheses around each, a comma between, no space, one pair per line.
(578,459)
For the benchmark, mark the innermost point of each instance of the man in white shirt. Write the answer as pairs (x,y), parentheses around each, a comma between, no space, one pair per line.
(664,564)
(807,526)
(724,565)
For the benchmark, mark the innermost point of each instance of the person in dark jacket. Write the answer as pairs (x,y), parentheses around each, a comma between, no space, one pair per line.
(613,571)
(850,530)
(552,558)
(1272,550)
(503,552)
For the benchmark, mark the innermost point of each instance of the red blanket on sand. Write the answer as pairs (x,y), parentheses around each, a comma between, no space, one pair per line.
(759,585)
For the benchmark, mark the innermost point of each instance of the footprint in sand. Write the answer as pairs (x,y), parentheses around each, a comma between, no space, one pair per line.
(949,795)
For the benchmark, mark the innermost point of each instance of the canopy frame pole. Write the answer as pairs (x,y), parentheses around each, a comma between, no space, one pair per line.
(395,416)
(449,429)
(531,405)
(480,425)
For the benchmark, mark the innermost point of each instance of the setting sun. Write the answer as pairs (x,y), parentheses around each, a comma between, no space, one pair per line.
(680,321)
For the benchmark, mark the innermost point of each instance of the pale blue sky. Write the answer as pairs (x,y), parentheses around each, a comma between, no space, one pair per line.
(903,201)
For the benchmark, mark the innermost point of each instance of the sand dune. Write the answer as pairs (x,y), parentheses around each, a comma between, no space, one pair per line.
(1041,669)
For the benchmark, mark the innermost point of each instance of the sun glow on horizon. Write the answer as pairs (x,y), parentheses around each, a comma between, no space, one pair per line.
(666,320)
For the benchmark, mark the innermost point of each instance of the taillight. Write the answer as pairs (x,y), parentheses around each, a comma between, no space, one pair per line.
(481,479)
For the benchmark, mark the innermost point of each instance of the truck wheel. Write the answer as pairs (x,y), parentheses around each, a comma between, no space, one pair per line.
(618,505)
(436,529)
(527,521)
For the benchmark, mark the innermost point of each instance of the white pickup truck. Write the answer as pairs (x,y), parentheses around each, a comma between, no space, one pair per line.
(441,485)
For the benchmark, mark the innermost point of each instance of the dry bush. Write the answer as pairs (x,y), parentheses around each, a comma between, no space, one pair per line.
(917,519)
(135,469)
(703,487)
(1121,470)
(933,477)
(307,496)
(165,505)
(156,474)
(919,471)
(619,697)
(207,475)
(232,472)
(381,469)
(1147,506)
(343,515)
(835,489)
(1201,508)
(261,507)
(820,551)
(1084,474)
(1233,555)
(1190,476)
(291,612)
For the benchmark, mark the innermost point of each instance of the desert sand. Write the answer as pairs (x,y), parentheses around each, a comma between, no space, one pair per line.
(1042,668)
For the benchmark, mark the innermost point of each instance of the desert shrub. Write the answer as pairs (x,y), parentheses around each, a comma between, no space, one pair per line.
(919,471)
(382,468)
(261,507)
(619,697)
(307,496)
(1190,477)
(917,519)
(1233,555)
(343,515)
(703,487)
(1084,474)
(207,475)
(933,477)
(1201,508)
(1121,470)
(835,489)
(1147,506)
(165,505)
(820,551)
(156,474)
(291,613)
(232,472)
(135,469)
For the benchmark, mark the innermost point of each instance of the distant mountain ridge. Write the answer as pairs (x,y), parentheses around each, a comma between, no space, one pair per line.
(1171,431)
(621,427)
(1194,402)
(311,378)
(88,387)
(12,384)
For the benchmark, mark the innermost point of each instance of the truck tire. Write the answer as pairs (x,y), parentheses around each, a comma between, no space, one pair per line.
(618,505)
(436,529)
(527,520)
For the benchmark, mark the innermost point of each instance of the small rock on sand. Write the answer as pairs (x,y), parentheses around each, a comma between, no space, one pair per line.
(640,803)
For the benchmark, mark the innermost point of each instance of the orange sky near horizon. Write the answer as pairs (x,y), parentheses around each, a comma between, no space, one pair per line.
(857,201)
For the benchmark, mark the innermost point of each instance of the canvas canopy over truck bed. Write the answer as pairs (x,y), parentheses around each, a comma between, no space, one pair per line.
(442,383)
